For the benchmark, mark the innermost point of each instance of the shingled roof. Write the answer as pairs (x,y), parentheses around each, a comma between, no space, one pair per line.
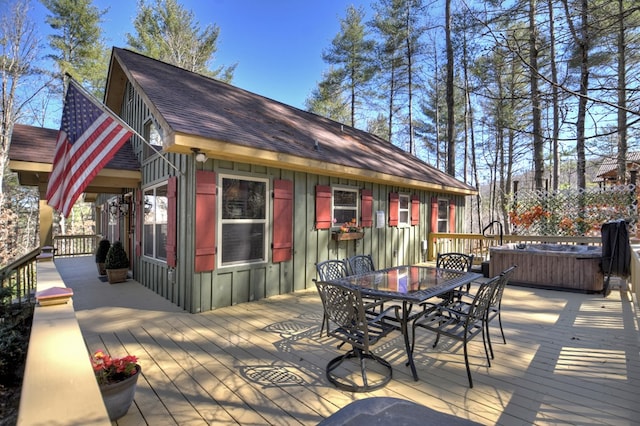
(231,123)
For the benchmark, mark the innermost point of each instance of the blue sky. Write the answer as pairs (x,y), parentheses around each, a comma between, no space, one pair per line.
(277,44)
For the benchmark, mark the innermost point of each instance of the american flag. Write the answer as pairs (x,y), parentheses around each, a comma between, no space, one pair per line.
(88,138)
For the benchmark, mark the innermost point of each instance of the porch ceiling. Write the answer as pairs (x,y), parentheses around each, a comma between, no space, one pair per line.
(31,157)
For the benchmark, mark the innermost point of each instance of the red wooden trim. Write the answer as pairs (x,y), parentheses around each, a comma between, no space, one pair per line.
(205,221)
(172,204)
(323,207)
(434,214)
(282,220)
(366,208)
(394,202)
(415,209)
(452,215)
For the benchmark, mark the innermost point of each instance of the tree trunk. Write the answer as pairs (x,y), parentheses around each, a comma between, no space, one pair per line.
(622,96)
(538,144)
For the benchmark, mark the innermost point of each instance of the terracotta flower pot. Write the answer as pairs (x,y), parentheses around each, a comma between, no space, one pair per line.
(118,396)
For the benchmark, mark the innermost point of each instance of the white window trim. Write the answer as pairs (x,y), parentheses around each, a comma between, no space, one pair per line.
(142,231)
(402,224)
(221,222)
(446,220)
(335,224)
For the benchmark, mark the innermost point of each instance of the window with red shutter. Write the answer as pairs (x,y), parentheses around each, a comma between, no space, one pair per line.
(282,220)
(415,210)
(205,221)
(394,200)
(323,207)
(172,193)
(244,210)
(434,214)
(452,215)
(366,208)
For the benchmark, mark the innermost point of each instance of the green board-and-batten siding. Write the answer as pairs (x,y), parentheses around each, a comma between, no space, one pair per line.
(203,291)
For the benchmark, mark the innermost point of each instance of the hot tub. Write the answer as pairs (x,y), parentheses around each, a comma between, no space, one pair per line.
(555,266)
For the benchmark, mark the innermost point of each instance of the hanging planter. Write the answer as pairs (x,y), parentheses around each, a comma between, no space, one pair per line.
(345,236)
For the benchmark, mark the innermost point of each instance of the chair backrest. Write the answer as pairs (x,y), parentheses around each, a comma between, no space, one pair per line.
(330,270)
(482,300)
(343,307)
(503,280)
(455,261)
(361,264)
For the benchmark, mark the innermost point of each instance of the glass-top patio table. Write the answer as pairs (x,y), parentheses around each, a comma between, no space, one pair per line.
(409,285)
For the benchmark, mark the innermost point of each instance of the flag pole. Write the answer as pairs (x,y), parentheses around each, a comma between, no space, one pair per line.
(107,110)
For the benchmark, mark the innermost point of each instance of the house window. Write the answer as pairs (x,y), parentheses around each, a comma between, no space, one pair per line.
(404,210)
(155,222)
(243,207)
(443,215)
(345,205)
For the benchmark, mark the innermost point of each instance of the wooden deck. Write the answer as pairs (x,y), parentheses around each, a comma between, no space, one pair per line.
(570,358)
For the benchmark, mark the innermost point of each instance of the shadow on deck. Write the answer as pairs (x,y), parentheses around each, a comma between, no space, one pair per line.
(570,358)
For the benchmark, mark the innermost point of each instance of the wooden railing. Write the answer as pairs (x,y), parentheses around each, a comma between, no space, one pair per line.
(21,276)
(59,386)
(75,245)
(478,244)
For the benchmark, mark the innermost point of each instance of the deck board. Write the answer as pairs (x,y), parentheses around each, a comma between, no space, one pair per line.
(570,358)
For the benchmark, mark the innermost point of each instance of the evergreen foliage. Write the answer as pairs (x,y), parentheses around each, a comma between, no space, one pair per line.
(169,33)
(77,42)
(116,257)
(103,249)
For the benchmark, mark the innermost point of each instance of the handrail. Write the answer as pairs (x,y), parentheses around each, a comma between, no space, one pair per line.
(75,245)
(59,386)
(21,275)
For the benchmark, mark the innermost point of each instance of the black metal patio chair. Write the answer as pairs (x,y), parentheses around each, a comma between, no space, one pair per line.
(344,308)
(330,270)
(361,264)
(455,262)
(495,306)
(459,324)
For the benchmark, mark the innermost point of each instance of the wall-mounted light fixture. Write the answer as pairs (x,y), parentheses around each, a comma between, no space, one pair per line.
(119,207)
(201,157)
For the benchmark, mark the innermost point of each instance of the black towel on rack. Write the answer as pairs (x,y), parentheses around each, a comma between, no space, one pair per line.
(616,252)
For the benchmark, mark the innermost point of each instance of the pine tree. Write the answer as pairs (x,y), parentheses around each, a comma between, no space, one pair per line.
(169,33)
(352,54)
(77,42)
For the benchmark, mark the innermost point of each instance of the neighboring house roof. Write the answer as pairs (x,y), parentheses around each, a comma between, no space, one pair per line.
(608,169)
(31,156)
(227,122)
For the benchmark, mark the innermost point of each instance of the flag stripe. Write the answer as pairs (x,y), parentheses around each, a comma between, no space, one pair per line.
(88,139)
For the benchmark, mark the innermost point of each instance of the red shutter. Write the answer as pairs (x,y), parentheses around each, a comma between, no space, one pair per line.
(452,215)
(139,222)
(366,208)
(415,210)
(323,207)
(434,214)
(394,200)
(282,220)
(205,255)
(172,198)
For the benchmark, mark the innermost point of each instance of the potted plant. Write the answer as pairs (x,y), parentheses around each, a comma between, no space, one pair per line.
(101,255)
(117,379)
(117,263)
